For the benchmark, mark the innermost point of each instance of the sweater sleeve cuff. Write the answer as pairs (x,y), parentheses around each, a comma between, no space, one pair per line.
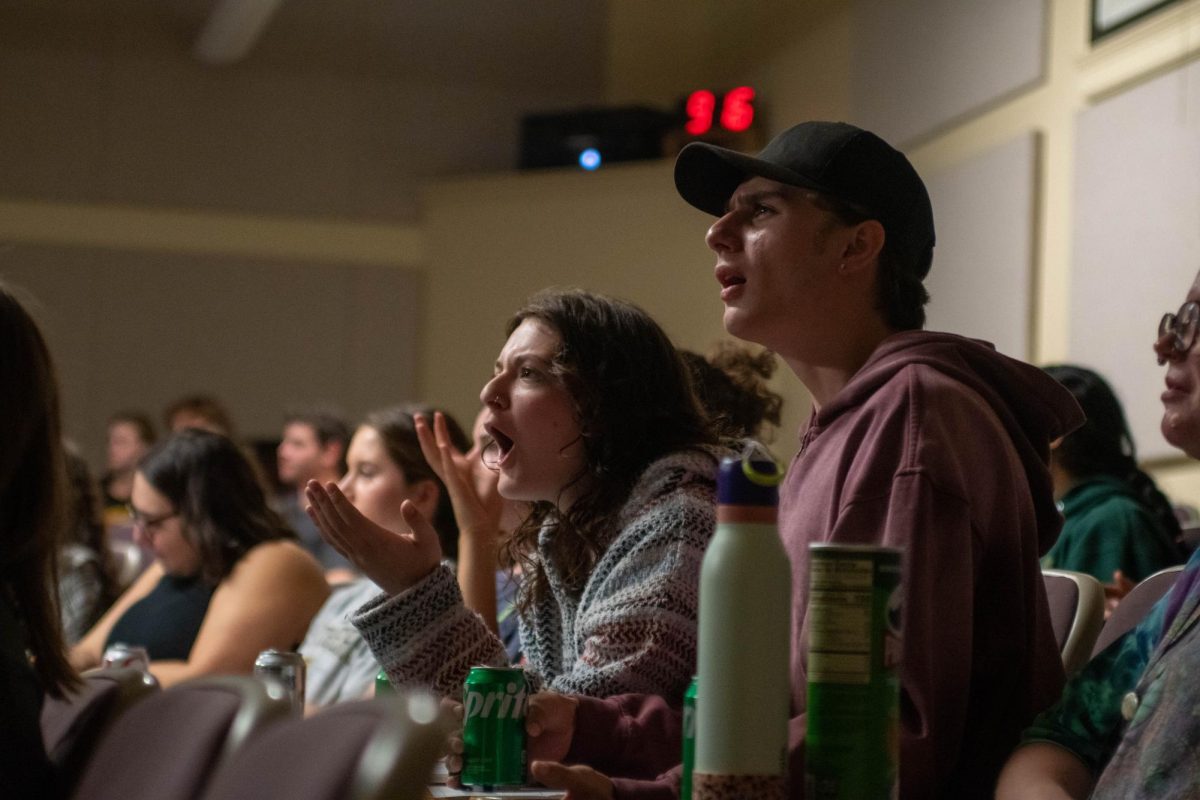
(437,592)
(425,636)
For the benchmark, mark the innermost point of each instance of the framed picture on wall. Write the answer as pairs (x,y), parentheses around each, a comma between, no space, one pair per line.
(1112,15)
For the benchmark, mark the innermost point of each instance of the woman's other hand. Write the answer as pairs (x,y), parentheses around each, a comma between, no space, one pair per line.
(394,560)
(472,486)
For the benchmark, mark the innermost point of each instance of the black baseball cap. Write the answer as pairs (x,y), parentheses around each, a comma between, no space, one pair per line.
(833,158)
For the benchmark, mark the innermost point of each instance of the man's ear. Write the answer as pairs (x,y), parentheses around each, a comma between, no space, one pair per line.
(863,246)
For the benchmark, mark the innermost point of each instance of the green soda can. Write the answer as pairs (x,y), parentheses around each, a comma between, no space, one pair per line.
(852,747)
(383,685)
(494,701)
(689,740)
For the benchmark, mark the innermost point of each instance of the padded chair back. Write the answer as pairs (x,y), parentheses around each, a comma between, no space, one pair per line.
(1135,605)
(361,750)
(72,727)
(1076,614)
(168,745)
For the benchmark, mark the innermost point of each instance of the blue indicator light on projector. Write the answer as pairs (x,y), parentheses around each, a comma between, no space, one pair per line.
(589,159)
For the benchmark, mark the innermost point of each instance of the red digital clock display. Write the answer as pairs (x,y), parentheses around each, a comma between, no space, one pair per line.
(736,111)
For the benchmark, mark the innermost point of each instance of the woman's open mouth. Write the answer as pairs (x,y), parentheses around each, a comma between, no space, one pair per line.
(504,444)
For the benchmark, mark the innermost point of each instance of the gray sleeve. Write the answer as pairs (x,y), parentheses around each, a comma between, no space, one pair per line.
(425,636)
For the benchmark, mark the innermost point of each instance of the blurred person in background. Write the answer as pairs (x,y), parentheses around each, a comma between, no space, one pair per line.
(130,435)
(385,468)
(228,580)
(33,656)
(313,447)
(1117,525)
(87,577)
(201,411)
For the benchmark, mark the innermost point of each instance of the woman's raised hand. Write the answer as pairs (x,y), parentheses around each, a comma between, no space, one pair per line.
(471,485)
(394,560)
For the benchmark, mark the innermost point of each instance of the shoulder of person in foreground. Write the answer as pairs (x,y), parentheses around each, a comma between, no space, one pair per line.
(266,601)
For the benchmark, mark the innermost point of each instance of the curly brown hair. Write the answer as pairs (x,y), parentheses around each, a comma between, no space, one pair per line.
(635,404)
(732,386)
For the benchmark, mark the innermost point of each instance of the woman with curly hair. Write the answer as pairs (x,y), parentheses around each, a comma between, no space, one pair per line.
(593,424)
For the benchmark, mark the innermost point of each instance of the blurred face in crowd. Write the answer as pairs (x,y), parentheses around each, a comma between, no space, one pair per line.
(300,454)
(1176,347)
(377,486)
(125,446)
(158,527)
(529,413)
(190,419)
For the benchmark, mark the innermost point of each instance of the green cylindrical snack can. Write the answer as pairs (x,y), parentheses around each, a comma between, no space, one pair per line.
(689,740)
(852,747)
(494,701)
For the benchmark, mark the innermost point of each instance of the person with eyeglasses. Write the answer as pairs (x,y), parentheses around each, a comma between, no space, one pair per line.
(228,580)
(1127,724)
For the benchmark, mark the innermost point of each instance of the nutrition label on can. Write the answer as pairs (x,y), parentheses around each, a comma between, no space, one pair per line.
(840,613)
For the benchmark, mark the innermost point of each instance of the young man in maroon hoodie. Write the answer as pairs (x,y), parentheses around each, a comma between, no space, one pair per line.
(926,441)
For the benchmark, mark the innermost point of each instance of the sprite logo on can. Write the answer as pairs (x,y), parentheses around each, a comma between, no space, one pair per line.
(494,702)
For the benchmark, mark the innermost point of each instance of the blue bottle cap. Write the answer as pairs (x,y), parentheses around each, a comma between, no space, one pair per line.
(751,479)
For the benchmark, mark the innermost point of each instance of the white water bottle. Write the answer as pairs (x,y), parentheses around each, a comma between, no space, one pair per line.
(745,639)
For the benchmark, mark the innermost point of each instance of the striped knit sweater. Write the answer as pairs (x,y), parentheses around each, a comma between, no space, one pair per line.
(632,629)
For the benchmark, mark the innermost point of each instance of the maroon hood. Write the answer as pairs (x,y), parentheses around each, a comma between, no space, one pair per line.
(1033,407)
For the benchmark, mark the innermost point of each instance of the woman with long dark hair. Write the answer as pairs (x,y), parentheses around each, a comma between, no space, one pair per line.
(1114,516)
(594,425)
(228,580)
(33,660)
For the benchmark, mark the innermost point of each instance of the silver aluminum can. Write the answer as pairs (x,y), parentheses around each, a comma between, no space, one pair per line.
(119,654)
(285,670)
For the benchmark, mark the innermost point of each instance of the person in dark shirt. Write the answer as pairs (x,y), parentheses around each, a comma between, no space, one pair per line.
(1116,523)
(228,579)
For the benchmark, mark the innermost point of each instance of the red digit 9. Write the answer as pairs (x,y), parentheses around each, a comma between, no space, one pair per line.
(700,106)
